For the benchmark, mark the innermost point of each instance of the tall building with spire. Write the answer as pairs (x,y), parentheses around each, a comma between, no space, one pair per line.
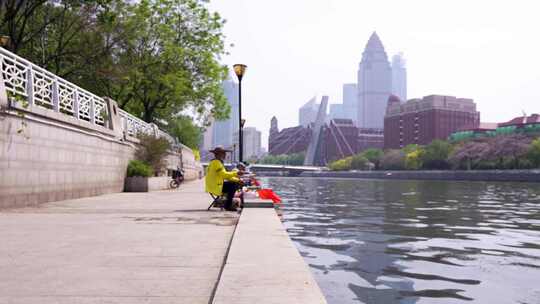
(399,77)
(374,84)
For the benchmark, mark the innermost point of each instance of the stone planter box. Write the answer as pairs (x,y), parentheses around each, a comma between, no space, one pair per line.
(146,184)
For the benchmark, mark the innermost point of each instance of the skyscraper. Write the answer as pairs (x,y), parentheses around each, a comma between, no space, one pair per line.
(337,111)
(252,142)
(350,102)
(374,84)
(308,112)
(223,130)
(399,77)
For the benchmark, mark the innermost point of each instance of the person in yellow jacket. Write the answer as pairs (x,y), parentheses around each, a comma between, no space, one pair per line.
(219,181)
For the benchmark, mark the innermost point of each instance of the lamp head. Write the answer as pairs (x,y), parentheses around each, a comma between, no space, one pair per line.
(239,70)
(5,41)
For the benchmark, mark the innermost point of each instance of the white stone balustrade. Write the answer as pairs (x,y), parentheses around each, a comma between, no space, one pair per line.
(24,80)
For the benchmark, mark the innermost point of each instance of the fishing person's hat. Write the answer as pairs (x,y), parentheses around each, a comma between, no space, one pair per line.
(219,149)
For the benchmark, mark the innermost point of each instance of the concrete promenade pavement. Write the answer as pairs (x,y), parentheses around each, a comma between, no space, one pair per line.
(158,247)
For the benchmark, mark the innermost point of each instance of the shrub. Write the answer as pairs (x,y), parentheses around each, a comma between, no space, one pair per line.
(152,150)
(413,160)
(295,159)
(533,154)
(374,156)
(138,168)
(435,155)
(359,162)
(343,164)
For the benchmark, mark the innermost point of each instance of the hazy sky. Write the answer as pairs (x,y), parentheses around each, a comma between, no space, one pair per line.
(295,49)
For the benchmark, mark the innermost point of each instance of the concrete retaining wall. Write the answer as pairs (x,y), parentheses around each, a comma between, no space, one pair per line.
(473,175)
(48,156)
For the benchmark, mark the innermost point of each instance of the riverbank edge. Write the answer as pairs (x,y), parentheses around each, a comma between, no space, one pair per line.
(532,176)
(263,265)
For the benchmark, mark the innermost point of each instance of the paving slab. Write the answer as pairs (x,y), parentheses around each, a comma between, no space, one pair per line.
(263,265)
(158,247)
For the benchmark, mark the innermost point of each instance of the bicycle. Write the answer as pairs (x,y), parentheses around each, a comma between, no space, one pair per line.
(177,179)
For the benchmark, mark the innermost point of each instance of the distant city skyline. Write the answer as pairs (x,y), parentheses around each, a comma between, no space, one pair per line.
(452,48)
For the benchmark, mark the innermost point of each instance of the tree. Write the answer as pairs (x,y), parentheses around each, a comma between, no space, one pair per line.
(470,154)
(511,147)
(156,58)
(435,155)
(67,37)
(15,19)
(413,159)
(169,62)
(359,162)
(393,160)
(295,159)
(343,164)
(183,128)
(533,154)
(374,156)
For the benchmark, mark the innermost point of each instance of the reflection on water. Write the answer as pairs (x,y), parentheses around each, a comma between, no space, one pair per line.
(387,241)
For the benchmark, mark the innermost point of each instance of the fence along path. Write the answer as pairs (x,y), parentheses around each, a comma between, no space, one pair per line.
(25,81)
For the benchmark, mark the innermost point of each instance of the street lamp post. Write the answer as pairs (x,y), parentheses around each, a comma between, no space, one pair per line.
(240,70)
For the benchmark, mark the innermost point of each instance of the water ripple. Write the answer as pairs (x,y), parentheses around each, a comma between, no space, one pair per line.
(374,241)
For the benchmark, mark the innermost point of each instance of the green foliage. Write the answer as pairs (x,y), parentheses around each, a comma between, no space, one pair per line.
(343,164)
(533,154)
(410,148)
(359,162)
(507,151)
(183,128)
(435,155)
(413,159)
(138,168)
(170,58)
(374,156)
(295,159)
(152,150)
(156,58)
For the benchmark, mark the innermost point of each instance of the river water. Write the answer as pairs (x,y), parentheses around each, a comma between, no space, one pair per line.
(388,241)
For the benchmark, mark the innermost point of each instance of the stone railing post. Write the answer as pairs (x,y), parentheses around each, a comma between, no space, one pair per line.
(114,121)
(155,129)
(55,99)
(4,101)
(30,85)
(76,103)
(91,112)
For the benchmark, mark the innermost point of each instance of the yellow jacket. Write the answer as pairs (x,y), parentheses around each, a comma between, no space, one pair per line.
(215,175)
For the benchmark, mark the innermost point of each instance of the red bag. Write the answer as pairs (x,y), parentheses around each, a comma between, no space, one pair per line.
(269,194)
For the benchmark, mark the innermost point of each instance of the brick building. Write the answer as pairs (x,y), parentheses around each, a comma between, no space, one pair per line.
(420,121)
(370,138)
(289,140)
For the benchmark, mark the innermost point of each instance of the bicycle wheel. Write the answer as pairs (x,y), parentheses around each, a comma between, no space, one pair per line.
(174,184)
